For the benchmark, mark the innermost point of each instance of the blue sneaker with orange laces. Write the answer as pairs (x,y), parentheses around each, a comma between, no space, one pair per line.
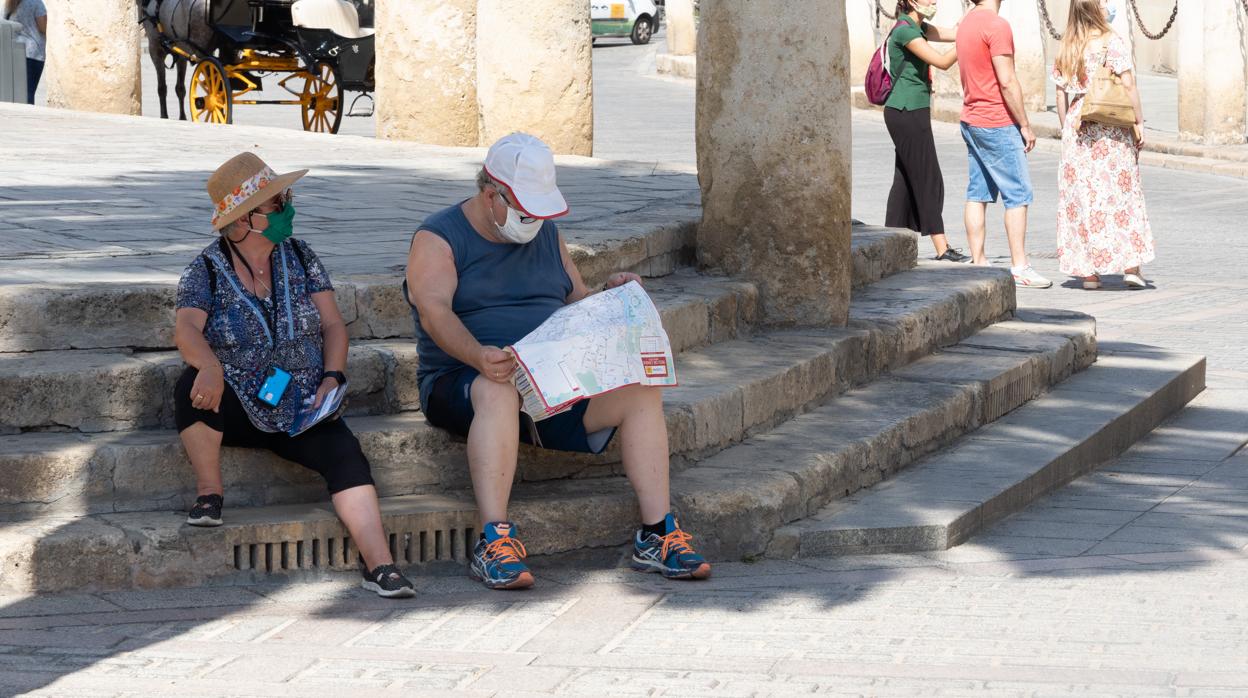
(670,554)
(498,559)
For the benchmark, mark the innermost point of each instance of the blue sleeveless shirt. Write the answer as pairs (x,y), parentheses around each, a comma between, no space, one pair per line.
(505,290)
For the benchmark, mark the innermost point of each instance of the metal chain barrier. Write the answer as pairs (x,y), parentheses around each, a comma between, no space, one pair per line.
(879,10)
(1048,21)
(1166,30)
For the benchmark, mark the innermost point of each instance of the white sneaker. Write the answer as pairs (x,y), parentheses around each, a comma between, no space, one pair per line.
(1028,277)
(1134,281)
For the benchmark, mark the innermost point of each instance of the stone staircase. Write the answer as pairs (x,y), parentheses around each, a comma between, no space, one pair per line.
(768,427)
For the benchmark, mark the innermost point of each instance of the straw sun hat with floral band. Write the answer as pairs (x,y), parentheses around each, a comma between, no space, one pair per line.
(243,183)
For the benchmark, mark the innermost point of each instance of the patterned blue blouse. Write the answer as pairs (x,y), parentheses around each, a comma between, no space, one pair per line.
(249,335)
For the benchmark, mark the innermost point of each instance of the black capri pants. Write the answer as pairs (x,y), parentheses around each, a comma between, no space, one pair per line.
(329,448)
(917,199)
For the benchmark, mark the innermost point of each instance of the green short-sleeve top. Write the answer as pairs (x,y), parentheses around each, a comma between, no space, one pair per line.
(912,76)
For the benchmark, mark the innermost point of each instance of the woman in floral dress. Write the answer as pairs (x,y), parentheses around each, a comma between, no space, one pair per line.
(1102,226)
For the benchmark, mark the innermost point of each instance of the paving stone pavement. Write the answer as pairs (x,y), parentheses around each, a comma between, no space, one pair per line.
(1128,582)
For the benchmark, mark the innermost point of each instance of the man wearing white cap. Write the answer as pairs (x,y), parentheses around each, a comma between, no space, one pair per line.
(481,275)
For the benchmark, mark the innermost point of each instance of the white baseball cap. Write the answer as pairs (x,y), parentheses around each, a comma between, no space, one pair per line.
(526,167)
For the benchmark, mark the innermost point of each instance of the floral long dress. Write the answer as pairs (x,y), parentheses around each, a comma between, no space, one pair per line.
(1102,226)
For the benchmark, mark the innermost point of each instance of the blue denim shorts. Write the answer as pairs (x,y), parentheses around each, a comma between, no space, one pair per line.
(996,165)
(449,407)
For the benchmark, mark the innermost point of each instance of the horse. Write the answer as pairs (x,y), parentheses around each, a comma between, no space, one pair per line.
(181,20)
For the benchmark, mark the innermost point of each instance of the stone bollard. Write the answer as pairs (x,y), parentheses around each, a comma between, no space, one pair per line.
(427,71)
(682,33)
(1029,33)
(860,19)
(93,56)
(1212,72)
(535,72)
(773,139)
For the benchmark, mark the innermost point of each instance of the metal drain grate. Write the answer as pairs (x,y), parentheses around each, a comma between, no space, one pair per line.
(408,547)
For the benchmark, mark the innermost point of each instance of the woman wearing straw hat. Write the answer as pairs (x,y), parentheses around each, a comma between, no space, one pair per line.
(258,325)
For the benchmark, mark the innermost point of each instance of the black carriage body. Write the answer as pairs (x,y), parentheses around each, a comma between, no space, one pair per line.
(353,57)
(266,25)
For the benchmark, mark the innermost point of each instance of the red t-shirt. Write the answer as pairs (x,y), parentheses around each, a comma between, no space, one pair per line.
(982,35)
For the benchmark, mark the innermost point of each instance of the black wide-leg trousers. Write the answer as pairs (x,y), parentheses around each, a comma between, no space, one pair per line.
(917,199)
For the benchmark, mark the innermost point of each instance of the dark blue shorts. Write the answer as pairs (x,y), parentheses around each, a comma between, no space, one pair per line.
(449,407)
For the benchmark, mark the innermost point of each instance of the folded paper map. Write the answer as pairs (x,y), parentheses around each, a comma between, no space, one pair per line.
(596,345)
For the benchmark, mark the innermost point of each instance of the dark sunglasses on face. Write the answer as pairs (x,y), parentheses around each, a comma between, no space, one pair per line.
(523,218)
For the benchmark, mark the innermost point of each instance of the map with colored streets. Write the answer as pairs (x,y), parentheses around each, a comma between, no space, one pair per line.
(606,341)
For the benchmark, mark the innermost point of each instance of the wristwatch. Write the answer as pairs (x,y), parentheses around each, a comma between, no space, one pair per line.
(336,375)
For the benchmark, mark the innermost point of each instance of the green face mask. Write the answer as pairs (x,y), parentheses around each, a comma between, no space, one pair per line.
(281,224)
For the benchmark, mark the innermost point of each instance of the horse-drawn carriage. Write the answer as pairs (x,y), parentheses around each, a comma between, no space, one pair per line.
(315,49)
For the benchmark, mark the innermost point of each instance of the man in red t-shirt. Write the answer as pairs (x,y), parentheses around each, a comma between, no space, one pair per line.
(998,136)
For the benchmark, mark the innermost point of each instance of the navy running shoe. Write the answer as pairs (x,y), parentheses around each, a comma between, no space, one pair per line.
(670,555)
(498,559)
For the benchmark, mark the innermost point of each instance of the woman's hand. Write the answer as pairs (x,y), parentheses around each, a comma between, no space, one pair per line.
(496,364)
(208,388)
(1137,130)
(327,384)
(620,278)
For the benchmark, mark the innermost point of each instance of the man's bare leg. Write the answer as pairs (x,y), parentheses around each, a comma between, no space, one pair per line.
(973,216)
(638,412)
(1016,234)
(493,443)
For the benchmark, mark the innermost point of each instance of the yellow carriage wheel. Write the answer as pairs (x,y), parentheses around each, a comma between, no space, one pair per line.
(210,96)
(322,99)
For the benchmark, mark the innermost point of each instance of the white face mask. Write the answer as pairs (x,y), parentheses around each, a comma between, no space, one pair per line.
(514,230)
(926,11)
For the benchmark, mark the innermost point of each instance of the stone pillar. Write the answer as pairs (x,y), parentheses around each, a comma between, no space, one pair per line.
(427,71)
(682,33)
(1212,72)
(93,56)
(947,84)
(773,139)
(1029,34)
(1122,25)
(860,18)
(535,72)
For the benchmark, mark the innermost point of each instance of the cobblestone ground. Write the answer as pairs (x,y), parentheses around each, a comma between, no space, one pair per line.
(1127,582)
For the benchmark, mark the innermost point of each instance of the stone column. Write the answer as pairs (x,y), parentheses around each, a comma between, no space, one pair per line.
(427,71)
(773,139)
(1122,24)
(947,84)
(860,18)
(1212,72)
(682,33)
(1024,19)
(93,56)
(535,72)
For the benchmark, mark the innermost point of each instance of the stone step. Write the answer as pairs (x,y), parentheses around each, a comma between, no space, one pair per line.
(96,390)
(111,316)
(948,497)
(728,390)
(733,500)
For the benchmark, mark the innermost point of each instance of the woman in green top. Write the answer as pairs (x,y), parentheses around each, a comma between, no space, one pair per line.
(917,199)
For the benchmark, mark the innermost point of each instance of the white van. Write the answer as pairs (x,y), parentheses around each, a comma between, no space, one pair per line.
(636,19)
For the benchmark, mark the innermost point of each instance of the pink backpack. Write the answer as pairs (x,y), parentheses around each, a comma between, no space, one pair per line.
(879,82)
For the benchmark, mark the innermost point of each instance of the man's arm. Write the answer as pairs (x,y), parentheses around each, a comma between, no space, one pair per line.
(1012,91)
(431,284)
(579,289)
